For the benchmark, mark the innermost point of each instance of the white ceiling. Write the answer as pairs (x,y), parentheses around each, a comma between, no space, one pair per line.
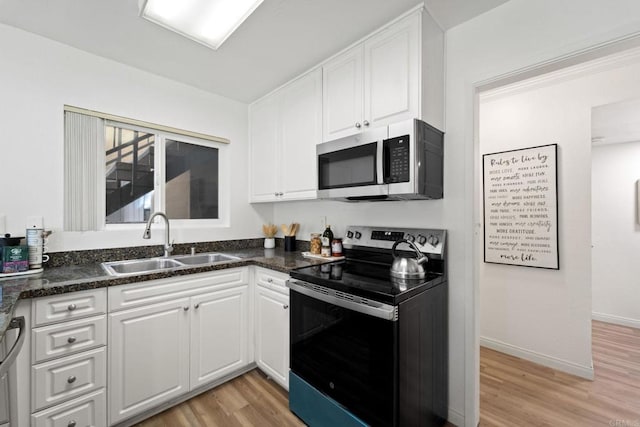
(280,40)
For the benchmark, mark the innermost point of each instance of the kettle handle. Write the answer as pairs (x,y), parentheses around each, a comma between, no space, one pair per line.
(420,256)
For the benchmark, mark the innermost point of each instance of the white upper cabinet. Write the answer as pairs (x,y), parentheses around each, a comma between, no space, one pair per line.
(342,94)
(397,73)
(393,75)
(263,137)
(301,131)
(284,130)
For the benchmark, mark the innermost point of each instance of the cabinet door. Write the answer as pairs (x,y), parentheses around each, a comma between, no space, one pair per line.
(301,131)
(272,334)
(392,74)
(149,357)
(263,137)
(219,334)
(342,101)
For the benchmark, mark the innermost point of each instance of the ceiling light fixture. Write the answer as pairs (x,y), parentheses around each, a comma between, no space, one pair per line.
(209,22)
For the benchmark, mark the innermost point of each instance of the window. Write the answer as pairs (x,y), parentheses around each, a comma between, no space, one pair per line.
(138,170)
(187,178)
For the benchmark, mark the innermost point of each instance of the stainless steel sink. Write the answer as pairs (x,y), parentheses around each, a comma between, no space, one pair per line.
(202,259)
(150,265)
(140,266)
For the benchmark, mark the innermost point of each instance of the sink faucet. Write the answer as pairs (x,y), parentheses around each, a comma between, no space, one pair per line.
(168,248)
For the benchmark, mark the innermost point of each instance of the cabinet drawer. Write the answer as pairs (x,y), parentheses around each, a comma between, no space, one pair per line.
(69,306)
(72,376)
(89,410)
(63,339)
(155,291)
(272,280)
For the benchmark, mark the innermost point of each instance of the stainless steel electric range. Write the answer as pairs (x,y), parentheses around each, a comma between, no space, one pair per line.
(366,348)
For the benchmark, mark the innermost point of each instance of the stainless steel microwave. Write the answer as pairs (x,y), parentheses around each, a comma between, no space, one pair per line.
(403,161)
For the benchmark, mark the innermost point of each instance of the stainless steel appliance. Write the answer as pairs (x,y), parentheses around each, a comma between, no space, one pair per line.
(368,348)
(403,161)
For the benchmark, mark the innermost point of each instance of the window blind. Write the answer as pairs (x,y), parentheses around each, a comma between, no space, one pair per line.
(83,168)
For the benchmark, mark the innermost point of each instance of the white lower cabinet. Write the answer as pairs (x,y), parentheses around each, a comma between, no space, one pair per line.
(68,360)
(88,410)
(160,351)
(272,325)
(149,354)
(219,334)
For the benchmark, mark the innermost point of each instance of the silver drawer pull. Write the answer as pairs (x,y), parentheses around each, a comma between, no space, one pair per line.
(71,379)
(197,306)
(72,423)
(71,340)
(270,280)
(71,307)
(285,306)
(186,308)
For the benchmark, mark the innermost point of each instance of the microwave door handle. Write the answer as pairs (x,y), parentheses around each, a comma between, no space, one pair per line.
(380,162)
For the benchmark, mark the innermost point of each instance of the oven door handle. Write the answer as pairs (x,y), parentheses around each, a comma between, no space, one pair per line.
(330,296)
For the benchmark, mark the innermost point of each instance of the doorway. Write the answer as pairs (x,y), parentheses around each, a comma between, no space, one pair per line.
(536,315)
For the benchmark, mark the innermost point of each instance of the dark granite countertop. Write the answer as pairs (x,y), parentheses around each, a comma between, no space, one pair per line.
(73,278)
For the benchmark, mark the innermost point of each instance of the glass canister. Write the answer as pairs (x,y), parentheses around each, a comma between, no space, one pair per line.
(336,247)
(315,244)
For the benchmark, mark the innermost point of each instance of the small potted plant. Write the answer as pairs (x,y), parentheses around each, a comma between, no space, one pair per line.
(269,231)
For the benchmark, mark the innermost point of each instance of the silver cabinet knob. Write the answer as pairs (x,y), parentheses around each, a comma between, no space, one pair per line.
(71,379)
(72,423)
(197,306)
(71,340)
(270,280)
(358,125)
(366,123)
(285,306)
(185,308)
(71,307)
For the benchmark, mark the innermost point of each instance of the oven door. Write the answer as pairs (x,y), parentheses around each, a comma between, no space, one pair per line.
(352,166)
(346,352)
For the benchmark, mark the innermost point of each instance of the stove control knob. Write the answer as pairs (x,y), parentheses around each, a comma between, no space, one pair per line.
(421,239)
(410,238)
(433,240)
(358,235)
(349,234)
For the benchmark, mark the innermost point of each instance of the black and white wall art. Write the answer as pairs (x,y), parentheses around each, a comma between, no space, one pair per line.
(521,207)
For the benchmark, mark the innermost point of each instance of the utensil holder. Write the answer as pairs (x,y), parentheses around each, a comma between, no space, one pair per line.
(289,243)
(269,243)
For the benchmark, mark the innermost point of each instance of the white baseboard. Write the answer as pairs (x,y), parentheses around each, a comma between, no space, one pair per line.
(616,320)
(455,417)
(541,359)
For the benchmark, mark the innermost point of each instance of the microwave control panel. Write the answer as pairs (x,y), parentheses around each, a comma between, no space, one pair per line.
(396,165)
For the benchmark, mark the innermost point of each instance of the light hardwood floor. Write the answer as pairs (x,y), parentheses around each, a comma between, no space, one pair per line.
(513,393)
(249,400)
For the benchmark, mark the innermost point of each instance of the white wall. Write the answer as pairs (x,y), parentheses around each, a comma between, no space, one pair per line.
(544,315)
(38,76)
(515,37)
(616,233)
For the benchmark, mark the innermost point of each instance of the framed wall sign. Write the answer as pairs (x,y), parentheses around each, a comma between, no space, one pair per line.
(520,191)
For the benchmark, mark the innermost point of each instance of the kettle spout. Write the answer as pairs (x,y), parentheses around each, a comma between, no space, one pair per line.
(422,260)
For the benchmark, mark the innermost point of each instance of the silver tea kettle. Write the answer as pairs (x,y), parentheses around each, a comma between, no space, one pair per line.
(408,268)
